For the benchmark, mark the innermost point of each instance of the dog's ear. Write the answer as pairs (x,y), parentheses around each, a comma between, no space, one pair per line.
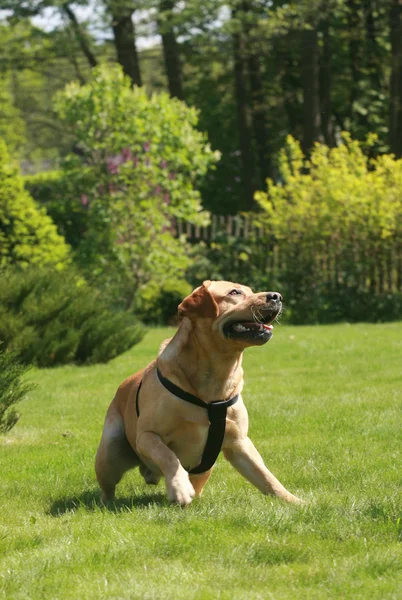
(200,303)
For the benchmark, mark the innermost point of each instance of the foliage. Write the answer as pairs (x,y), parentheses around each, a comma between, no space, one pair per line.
(336,221)
(140,161)
(36,63)
(12,126)
(328,237)
(54,318)
(157,304)
(225,257)
(56,192)
(12,388)
(27,234)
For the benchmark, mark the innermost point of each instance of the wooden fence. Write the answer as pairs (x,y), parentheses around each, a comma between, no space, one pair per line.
(375,267)
(238,226)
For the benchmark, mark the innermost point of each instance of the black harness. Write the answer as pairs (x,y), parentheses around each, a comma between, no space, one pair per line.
(217,421)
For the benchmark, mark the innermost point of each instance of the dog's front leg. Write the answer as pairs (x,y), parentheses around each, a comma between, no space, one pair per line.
(178,486)
(243,455)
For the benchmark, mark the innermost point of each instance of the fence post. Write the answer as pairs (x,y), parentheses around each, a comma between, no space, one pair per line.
(246,227)
(213,227)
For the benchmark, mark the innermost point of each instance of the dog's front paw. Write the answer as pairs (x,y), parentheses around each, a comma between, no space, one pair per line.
(180,490)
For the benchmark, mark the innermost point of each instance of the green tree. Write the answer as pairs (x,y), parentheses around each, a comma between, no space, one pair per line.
(12,388)
(257,70)
(141,160)
(12,126)
(27,234)
(35,64)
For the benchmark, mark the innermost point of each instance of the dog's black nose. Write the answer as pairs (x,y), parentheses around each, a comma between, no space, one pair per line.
(276,296)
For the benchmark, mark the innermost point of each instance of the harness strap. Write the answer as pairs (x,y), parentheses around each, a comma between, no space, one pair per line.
(217,421)
(137,408)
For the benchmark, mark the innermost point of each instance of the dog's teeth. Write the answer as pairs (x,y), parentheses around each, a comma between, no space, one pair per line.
(239,327)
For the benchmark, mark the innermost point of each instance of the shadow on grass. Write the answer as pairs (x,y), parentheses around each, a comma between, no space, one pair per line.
(91,500)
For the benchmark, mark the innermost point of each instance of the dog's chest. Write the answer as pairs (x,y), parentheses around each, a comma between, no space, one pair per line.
(188,440)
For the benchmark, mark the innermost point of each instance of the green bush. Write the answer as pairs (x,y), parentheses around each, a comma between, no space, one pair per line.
(337,225)
(225,257)
(57,194)
(142,159)
(329,237)
(53,318)
(157,304)
(27,234)
(45,186)
(12,388)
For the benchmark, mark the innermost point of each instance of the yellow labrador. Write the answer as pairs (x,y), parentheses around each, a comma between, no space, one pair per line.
(167,420)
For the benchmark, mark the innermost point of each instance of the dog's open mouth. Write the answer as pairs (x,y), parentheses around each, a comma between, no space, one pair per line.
(248,330)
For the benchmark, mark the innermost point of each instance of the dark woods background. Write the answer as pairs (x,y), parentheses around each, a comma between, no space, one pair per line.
(257,70)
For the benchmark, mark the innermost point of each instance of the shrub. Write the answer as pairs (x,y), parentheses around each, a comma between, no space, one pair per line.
(12,388)
(225,257)
(45,186)
(141,160)
(328,237)
(158,304)
(336,221)
(56,193)
(54,318)
(27,234)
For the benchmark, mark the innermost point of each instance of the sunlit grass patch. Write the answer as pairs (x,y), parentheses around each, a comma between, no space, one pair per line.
(325,412)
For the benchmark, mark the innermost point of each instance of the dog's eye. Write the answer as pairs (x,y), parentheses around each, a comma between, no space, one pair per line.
(235,293)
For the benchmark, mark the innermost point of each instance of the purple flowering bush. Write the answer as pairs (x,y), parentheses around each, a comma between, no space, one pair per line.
(139,163)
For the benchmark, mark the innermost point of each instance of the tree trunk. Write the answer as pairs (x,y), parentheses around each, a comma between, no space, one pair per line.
(244,130)
(310,73)
(170,49)
(354,51)
(80,36)
(373,51)
(325,87)
(258,110)
(395,124)
(290,80)
(124,39)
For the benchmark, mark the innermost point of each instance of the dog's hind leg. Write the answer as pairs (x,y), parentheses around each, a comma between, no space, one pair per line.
(114,456)
(149,476)
(198,481)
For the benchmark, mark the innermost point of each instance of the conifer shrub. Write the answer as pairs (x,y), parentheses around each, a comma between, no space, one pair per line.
(52,318)
(12,388)
(28,236)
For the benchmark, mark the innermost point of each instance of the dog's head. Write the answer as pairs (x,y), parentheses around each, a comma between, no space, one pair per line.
(233,312)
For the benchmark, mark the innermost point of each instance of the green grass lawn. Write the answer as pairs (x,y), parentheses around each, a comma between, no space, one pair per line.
(325,413)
